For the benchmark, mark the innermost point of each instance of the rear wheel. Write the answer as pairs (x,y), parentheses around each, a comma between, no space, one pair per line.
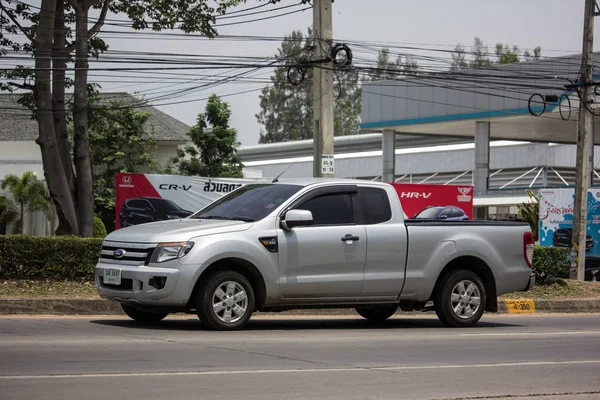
(377,313)
(225,301)
(145,317)
(461,299)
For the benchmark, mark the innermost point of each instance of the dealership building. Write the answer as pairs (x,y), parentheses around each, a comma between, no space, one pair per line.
(503,129)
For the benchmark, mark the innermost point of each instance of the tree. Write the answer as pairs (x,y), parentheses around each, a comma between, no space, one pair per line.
(388,70)
(537,52)
(8,213)
(480,56)
(506,55)
(287,110)
(120,141)
(531,213)
(214,149)
(28,195)
(459,60)
(47,33)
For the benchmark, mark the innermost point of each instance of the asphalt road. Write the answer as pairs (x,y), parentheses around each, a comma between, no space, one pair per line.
(409,357)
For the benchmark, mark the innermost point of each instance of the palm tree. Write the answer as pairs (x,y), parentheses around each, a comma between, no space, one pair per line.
(530,212)
(28,195)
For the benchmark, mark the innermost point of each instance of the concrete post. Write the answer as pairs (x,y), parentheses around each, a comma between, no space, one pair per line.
(388,146)
(482,157)
(591,157)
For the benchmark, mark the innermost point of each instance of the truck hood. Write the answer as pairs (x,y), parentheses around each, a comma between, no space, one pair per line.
(175,230)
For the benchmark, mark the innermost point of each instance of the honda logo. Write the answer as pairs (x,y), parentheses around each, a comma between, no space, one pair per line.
(465,190)
(127,179)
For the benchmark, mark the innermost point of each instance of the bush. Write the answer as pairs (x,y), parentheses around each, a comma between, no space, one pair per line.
(50,257)
(549,262)
(99,228)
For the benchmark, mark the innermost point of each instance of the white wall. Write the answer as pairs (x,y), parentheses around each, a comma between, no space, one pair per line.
(18,157)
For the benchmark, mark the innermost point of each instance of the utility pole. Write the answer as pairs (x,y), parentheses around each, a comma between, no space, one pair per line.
(584,132)
(323,165)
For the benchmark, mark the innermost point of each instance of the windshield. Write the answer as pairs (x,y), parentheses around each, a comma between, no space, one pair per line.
(164,205)
(248,203)
(429,213)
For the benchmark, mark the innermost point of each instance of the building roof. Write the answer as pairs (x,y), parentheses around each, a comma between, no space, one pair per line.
(449,103)
(16,123)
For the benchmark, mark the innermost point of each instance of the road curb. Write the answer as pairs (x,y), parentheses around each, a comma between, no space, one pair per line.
(105,307)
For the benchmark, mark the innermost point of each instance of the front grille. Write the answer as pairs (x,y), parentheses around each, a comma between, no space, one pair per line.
(134,253)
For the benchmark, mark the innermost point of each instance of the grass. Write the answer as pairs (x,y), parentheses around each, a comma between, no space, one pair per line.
(560,289)
(25,288)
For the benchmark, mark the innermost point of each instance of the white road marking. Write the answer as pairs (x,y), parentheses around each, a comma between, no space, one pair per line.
(563,333)
(291,371)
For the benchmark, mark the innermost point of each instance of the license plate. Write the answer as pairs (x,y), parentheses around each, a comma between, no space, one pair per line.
(112,276)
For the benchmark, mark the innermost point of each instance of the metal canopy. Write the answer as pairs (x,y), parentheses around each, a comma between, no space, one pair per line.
(448,104)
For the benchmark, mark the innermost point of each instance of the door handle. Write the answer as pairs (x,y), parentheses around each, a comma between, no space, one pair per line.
(350,238)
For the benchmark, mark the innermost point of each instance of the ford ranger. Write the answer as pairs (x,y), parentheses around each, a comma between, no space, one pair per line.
(312,243)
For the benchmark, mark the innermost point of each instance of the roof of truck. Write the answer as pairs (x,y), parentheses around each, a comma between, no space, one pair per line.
(314,181)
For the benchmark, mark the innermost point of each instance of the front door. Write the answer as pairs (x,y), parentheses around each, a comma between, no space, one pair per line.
(325,260)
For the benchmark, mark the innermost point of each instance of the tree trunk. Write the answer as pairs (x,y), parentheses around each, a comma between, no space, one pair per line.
(59,65)
(53,167)
(83,164)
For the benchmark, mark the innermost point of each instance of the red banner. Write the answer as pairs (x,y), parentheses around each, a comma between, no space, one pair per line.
(448,200)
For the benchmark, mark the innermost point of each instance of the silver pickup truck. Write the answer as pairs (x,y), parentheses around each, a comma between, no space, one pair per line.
(312,243)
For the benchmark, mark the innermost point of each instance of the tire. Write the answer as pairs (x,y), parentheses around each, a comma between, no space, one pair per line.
(377,313)
(222,316)
(451,294)
(144,317)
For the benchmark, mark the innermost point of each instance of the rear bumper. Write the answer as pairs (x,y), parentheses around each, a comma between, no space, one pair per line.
(531,283)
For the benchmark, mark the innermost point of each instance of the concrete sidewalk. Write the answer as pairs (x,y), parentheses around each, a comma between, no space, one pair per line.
(53,306)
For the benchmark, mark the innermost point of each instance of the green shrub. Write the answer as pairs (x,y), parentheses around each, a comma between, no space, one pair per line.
(50,257)
(99,228)
(549,262)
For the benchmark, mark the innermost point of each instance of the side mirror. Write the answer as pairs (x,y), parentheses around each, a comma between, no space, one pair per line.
(294,218)
(443,217)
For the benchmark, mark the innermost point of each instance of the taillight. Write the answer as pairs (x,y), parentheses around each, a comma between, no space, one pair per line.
(528,248)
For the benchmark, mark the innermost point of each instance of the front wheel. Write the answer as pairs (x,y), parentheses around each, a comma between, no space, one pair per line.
(225,301)
(461,299)
(144,317)
(377,313)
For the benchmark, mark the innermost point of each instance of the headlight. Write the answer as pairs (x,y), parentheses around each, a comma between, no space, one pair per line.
(172,251)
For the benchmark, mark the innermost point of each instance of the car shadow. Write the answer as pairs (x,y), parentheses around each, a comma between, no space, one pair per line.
(281,323)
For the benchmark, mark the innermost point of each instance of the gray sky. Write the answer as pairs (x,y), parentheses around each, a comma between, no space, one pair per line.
(555,25)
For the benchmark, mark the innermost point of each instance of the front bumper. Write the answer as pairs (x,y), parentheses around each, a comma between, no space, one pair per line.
(136,285)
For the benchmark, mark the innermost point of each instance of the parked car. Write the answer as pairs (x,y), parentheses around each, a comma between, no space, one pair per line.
(449,213)
(309,243)
(591,272)
(141,210)
(562,238)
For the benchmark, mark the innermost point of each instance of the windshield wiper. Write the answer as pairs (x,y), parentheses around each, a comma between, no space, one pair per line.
(214,217)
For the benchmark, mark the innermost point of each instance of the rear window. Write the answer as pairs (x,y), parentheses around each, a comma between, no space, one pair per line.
(430,213)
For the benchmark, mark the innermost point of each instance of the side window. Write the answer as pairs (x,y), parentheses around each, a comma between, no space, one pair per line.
(331,209)
(455,213)
(447,212)
(375,205)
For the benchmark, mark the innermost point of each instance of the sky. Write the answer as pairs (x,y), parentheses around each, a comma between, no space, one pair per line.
(555,25)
